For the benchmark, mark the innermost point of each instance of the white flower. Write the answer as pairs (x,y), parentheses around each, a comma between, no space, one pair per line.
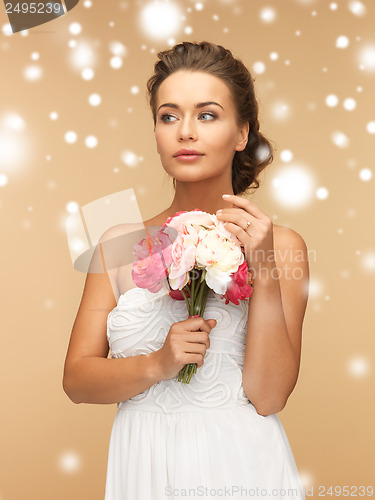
(220,256)
(204,241)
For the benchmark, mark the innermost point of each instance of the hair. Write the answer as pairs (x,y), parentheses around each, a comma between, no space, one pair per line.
(220,62)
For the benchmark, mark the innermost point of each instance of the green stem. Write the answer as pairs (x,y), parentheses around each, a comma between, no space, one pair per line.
(198,299)
(200,293)
(199,296)
(186,300)
(207,291)
(192,297)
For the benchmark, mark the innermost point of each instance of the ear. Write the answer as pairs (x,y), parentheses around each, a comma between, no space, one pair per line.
(243,137)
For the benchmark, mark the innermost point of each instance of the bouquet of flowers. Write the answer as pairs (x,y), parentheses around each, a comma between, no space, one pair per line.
(195,253)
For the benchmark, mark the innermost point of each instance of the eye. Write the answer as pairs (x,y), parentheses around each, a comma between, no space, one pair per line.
(209,114)
(166,115)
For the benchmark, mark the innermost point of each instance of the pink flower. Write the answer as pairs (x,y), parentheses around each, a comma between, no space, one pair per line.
(177,215)
(183,256)
(153,256)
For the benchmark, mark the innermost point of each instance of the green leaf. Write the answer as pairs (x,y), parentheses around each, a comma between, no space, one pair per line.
(203,275)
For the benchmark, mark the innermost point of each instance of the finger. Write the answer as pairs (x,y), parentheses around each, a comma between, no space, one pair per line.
(238,211)
(236,215)
(227,226)
(246,204)
(234,229)
(238,231)
(198,338)
(237,219)
(195,358)
(196,349)
(198,324)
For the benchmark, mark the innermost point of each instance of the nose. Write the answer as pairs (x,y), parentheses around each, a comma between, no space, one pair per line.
(187,131)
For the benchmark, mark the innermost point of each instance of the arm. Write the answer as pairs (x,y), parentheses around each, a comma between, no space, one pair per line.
(276,311)
(93,379)
(89,375)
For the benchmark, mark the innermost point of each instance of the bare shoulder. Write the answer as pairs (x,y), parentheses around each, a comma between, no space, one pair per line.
(121,238)
(285,236)
(119,230)
(130,227)
(290,249)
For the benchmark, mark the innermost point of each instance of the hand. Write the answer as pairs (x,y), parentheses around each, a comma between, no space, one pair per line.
(257,239)
(184,344)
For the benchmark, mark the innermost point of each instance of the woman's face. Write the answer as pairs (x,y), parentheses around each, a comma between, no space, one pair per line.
(185,120)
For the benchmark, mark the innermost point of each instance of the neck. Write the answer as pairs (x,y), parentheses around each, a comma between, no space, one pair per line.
(204,195)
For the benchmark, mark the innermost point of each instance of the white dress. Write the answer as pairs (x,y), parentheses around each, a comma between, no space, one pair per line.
(202,439)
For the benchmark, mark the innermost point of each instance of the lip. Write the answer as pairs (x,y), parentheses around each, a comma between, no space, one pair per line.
(188,152)
(188,158)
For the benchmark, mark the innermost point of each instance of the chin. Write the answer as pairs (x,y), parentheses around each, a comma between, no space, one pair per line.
(209,181)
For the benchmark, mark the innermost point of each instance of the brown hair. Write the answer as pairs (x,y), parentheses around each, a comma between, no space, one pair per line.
(218,61)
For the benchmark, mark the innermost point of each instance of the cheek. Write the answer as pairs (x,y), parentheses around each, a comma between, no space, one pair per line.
(159,141)
(224,141)
(162,134)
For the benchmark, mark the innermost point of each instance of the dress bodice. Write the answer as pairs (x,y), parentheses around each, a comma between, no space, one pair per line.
(140,323)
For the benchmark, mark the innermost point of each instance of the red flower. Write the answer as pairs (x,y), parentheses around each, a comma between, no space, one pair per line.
(238,288)
(177,294)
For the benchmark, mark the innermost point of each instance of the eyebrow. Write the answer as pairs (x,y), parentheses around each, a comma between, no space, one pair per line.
(198,105)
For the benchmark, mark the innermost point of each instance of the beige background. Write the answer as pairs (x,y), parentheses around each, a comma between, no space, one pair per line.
(53,449)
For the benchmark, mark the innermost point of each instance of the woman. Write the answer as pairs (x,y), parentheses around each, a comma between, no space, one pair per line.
(219,435)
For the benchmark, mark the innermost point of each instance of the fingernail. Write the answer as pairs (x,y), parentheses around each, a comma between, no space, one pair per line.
(226,196)
(219,212)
